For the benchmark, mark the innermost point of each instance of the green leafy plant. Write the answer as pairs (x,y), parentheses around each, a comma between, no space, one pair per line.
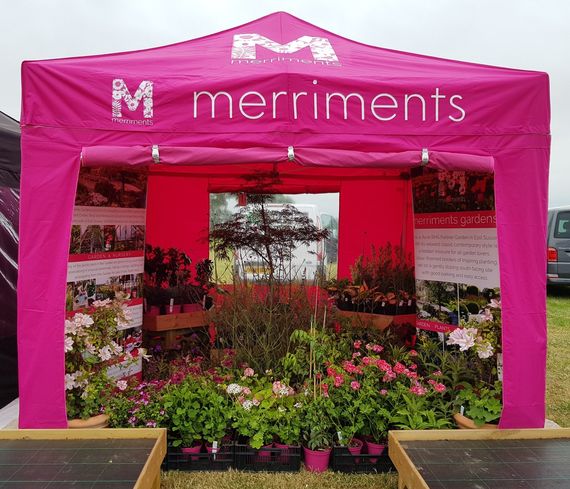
(197,411)
(482,402)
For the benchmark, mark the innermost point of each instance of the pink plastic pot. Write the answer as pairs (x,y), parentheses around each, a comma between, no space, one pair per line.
(264,453)
(374,449)
(175,309)
(317,460)
(192,307)
(153,311)
(195,448)
(356,448)
(283,454)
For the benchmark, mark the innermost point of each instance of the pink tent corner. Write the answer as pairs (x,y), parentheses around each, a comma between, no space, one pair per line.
(275,83)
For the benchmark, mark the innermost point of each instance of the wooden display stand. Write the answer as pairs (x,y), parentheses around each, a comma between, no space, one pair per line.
(173,327)
(181,320)
(148,478)
(378,321)
(409,477)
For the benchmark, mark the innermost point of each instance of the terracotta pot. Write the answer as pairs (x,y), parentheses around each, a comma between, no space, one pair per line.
(317,460)
(195,448)
(99,421)
(374,449)
(465,423)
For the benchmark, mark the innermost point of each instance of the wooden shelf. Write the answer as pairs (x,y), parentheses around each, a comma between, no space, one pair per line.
(379,321)
(182,320)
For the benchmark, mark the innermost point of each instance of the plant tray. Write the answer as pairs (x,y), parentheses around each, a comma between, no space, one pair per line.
(267,459)
(203,461)
(343,461)
(182,320)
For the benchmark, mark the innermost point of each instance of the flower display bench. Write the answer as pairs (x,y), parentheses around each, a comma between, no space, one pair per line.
(123,458)
(481,458)
(171,327)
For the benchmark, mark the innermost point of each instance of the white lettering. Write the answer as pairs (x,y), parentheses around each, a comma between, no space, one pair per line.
(213,100)
(345,103)
(451,99)
(374,105)
(244,47)
(260,103)
(436,96)
(276,95)
(296,95)
(410,97)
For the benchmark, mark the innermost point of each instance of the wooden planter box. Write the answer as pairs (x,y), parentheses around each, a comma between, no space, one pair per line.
(182,320)
(125,457)
(378,321)
(481,458)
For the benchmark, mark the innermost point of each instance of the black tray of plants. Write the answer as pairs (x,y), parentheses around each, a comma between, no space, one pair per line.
(222,459)
(273,458)
(343,461)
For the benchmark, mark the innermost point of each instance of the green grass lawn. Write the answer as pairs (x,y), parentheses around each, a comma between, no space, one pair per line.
(558,409)
(558,363)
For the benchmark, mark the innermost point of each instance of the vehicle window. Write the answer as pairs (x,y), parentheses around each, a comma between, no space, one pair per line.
(562,229)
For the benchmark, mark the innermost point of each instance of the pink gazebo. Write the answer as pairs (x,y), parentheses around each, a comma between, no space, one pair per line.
(324,112)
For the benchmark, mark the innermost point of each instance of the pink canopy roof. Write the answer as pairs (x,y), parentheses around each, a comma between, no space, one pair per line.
(275,83)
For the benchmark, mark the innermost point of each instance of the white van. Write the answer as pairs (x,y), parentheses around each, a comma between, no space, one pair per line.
(558,246)
(306,260)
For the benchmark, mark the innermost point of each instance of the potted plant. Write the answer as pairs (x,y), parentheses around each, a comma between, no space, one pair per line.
(316,434)
(91,345)
(197,413)
(478,406)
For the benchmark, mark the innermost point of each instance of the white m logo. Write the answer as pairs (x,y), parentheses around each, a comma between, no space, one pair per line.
(121,92)
(244,47)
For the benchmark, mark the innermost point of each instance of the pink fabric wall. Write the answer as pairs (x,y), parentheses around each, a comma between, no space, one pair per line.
(178,214)
(372,212)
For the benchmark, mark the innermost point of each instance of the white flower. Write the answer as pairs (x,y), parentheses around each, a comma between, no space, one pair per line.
(105,353)
(297,405)
(487,316)
(116,349)
(122,385)
(70,381)
(463,337)
(124,322)
(90,348)
(103,303)
(247,404)
(234,389)
(484,349)
(68,344)
(70,327)
(82,320)
(495,303)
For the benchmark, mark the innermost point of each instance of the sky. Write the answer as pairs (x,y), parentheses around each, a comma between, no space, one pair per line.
(524,34)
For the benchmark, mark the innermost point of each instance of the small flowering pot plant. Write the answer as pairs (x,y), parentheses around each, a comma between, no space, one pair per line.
(197,411)
(481,403)
(90,347)
(133,404)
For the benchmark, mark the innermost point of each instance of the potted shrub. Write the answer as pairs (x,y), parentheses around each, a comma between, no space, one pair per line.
(91,345)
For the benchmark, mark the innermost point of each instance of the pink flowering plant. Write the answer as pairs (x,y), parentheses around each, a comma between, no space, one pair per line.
(137,405)
(91,345)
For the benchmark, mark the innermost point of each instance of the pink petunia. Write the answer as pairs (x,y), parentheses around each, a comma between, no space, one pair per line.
(354,385)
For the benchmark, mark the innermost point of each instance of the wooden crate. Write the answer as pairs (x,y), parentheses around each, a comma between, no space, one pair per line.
(149,476)
(410,478)
(378,321)
(182,320)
